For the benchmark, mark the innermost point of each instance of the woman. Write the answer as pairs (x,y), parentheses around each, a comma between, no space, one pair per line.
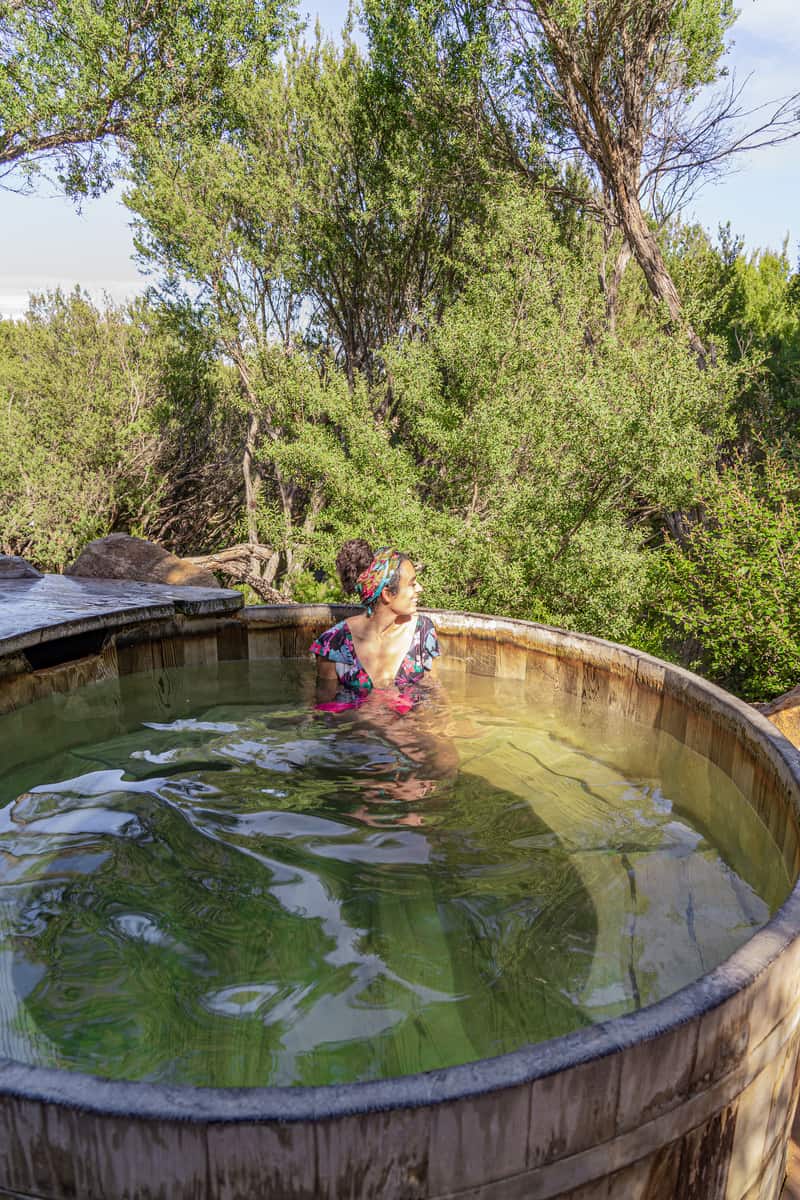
(390,645)
(383,655)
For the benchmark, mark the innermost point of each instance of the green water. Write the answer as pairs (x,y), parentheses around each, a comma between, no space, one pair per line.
(203,880)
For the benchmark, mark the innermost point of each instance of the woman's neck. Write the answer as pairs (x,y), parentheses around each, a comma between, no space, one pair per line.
(384,621)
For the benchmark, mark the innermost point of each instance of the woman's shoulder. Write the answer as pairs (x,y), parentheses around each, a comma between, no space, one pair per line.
(428,641)
(334,643)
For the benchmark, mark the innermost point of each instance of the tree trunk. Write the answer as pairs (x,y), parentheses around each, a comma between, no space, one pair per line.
(611,119)
(610,286)
(647,253)
(296,551)
(252,486)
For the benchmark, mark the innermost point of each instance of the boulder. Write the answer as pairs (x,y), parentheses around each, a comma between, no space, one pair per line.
(14,567)
(784,712)
(120,556)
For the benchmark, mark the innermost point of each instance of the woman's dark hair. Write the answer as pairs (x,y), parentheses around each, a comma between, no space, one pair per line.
(393,582)
(353,558)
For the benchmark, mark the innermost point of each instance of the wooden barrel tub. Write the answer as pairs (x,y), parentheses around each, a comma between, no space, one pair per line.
(692,1097)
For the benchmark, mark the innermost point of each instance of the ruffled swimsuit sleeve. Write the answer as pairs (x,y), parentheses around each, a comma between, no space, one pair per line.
(336,645)
(429,643)
(423,650)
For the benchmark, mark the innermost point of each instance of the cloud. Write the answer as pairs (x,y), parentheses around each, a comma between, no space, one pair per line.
(13,304)
(15,291)
(772,22)
(757,196)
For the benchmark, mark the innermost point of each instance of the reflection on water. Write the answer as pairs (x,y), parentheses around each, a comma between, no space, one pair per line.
(205,881)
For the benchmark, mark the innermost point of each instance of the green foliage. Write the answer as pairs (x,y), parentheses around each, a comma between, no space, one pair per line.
(362,327)
(307,589)
(698,29)
(731,594)
(328,464)
(763,321)
(748,305)
(77,77)
(77,437)
(544,449)
(102,417)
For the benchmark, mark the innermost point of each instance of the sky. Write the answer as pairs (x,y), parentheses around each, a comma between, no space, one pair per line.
(47,243)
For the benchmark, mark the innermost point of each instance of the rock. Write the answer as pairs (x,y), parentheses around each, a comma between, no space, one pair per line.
(14,567)
(784,712)
(120,556)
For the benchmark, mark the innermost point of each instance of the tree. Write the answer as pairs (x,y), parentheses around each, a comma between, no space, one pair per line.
(550,455)
(310,234)
(381,202)
(77,437)
(616,83)
(78,79)
(610,78)
(729,599)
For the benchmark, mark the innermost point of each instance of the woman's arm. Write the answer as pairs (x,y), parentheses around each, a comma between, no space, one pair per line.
(327,681)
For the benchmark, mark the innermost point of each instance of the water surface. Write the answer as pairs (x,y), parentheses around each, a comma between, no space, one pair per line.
(203,880)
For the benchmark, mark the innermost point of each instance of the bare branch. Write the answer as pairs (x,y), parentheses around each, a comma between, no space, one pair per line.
(687,151)
(236,562)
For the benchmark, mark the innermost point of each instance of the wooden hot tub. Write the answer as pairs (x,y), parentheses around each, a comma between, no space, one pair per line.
(691,1097)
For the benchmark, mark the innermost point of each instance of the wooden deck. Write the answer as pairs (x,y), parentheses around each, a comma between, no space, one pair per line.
(50,607)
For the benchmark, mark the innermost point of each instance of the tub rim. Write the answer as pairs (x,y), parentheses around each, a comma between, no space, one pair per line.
(214,1105)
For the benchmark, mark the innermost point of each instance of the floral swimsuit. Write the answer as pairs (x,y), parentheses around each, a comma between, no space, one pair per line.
(336,645)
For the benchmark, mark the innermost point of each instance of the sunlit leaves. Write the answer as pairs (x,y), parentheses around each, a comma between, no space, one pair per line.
(79,81)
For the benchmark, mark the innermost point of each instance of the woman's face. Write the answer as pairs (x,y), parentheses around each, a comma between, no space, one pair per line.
(403,602)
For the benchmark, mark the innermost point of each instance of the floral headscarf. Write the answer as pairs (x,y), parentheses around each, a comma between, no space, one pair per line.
(380,571)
